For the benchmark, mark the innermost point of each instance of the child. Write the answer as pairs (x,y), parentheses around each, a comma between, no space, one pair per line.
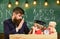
(51,27)
(36,29)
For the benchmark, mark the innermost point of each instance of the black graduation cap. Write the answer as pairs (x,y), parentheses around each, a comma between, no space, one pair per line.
(39,22)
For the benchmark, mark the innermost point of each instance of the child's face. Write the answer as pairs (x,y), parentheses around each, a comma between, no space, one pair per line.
(35,24)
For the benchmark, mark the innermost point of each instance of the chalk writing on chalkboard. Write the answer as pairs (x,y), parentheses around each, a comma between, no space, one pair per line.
(44,13)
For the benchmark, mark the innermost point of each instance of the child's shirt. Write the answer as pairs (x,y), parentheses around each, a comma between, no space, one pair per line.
(38,31)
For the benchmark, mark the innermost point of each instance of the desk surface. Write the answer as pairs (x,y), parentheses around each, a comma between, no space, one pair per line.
(32,36)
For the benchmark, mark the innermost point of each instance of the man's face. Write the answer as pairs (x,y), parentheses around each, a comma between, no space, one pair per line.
(18,16)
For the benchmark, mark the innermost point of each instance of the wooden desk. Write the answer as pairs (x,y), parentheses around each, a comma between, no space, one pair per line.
(31,36)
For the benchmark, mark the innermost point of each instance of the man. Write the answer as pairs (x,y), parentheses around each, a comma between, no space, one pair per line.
(15,25)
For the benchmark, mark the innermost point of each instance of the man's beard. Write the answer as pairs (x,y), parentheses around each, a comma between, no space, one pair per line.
(16,22)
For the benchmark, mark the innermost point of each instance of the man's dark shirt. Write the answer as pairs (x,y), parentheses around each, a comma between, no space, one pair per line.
(10,28)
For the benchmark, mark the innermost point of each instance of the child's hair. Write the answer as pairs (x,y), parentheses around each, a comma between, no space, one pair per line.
(39,26)
(52,23)
(39,23)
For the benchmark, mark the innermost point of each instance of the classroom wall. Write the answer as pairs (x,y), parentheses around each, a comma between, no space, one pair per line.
(33,12)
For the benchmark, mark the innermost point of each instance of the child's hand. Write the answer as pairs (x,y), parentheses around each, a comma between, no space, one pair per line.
(34,28)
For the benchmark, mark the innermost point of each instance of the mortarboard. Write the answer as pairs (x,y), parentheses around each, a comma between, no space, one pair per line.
(39,22)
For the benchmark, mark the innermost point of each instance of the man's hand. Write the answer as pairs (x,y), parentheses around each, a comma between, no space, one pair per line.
(21,24)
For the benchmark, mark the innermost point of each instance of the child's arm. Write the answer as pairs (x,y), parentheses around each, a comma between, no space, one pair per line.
(34,29)
(30,31)
(41,32)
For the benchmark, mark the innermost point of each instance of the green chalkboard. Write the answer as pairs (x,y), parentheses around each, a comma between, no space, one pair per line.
(33,12)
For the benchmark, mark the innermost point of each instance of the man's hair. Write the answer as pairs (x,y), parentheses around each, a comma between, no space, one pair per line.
(18,10)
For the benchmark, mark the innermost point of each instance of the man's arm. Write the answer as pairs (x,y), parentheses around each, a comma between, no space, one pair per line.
(6,29)
(20,25)
(26,29)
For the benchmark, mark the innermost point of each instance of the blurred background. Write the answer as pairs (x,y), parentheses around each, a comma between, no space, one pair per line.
(45,10)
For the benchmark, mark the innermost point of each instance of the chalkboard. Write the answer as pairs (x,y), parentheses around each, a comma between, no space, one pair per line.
(33,12)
